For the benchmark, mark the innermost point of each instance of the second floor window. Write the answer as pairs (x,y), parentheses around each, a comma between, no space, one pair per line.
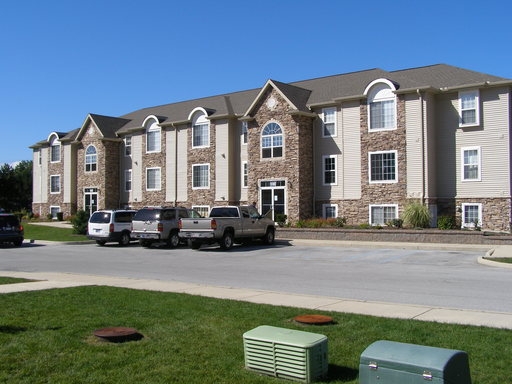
(128,180)
(153,179)
(469,108)
(245,174)
(383,167)
(201,176)
(244,132)
(55,184)
(91,159)
(329,170)
(272,141)
(55,151)
(470,164)
(329,122)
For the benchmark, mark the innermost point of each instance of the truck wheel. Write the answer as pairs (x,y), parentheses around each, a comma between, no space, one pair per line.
(269,236)
(194,244)
(101,242)
(174,240)
(125,239)
(227,241)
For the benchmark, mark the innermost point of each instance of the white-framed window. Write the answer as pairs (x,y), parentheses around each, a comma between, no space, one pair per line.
(272,141)
(383,213)
(381,107)
(55,184)
(469,108)
(91,159)
(330,170)
(330,211)
(203,210)
(127,146)
(200,176)
(244,133)
(329,122)
(200,131)
(55,150)
(471,215)
(127,180)
(54,209)
(153,179)
(471,164)
(245,174)
(153,139)
(383,167)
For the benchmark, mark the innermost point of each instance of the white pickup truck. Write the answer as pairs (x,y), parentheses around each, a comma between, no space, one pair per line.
(227,225)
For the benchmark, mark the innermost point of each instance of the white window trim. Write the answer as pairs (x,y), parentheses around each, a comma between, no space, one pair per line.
(371,206)
(57,192)
(471,225)
(159,187)
(370,93)
(476,93)
(208,171)
(87,156)
(245,173)
(462,164)
(244,133)
(325,170)
(324,209)
(335,122)
(128,175)
(126,146)
(395,180)
(200,120)
(55,144)
(272,140)
(154,128)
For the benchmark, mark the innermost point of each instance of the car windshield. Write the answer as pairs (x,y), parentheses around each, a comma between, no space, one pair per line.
(100,218)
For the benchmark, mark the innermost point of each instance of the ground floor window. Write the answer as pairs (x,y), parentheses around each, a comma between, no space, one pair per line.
(471,215)
(203,210)
(382,214)
(201,176)
(53,212)
(329,211)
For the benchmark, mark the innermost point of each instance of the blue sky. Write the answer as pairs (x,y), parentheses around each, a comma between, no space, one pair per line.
(60,60)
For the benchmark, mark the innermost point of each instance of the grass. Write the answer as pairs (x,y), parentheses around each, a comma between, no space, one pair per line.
(193,339)
(12,280)
(507,260)
(44,232)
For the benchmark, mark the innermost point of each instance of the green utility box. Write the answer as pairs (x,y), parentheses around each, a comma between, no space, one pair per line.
(389,362)
(286,353)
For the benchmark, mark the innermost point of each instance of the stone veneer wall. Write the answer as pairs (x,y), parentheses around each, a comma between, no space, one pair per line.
(292,167)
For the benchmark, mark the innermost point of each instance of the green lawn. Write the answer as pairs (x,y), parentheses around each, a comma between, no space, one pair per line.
(47,336)
(12,280)
(44,232)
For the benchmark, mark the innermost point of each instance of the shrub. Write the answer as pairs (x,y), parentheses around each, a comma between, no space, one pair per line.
(395,223)
(340,222)
(79,222)
(281,219)
(416,215)
(446,222)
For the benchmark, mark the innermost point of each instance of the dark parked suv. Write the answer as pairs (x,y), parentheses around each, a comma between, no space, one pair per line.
(11,231)
(159,224)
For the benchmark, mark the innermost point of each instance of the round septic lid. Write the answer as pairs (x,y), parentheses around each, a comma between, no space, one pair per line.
(118,334)
(313,319)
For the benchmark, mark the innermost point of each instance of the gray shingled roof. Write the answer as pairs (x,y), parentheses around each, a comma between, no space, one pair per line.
(319,91)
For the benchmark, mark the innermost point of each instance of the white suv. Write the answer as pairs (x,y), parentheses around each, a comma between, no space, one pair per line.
(111,226)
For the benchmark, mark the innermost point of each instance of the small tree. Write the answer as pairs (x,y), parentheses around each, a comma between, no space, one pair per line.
(416,215)
(79,222)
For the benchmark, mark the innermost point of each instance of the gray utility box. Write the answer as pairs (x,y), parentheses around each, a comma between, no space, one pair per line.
(389,362)
(286,353)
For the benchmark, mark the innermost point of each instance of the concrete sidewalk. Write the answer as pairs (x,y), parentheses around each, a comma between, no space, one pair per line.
(49,280)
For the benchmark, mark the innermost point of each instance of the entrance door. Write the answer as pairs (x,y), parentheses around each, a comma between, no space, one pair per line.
(90,200)
(273,197)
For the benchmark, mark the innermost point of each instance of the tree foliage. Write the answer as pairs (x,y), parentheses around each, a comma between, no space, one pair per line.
(16,186)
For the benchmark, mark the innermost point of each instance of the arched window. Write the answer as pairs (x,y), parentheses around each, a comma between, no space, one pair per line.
(153,136)
(54,149)
(272,141)
(200,131)
(381,105)
(91,159)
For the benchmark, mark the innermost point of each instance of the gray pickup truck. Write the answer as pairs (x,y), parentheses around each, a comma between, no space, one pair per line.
(227,225)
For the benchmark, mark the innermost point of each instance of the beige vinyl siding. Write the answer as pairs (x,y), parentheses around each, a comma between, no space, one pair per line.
(68,178)
(447,124)
(349,166)
(222,160)
(244,157)
(414,142)
(182,166)
(170,165)
(492,136)
(430,145)
(137,141)
(40,176)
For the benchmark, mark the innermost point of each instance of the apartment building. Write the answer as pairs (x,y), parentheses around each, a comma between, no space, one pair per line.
(359,145)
